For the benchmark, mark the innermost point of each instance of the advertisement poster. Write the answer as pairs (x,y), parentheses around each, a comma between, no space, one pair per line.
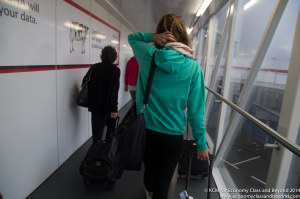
(99,39)
(27,32)
(114,41)
(33,36)
(73,32)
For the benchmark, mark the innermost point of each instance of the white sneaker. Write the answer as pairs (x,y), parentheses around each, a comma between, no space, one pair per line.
(148,197)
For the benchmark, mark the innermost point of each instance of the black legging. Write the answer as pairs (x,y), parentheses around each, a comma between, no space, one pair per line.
(162,155)
(132,93)
(98,120)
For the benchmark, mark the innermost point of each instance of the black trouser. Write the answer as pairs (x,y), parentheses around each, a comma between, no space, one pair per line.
(98,124)
(161,157)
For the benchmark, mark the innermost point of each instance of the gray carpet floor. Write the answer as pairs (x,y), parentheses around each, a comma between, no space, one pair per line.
(66,182)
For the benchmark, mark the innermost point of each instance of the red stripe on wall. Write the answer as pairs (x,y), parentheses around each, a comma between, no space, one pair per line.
(77,6)
(63,67)
(19,69)
(100,20)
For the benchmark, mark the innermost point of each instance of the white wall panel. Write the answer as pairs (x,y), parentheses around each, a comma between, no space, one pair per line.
(123,96)
(72,119)
(28,36)
(40,124)
(28,138)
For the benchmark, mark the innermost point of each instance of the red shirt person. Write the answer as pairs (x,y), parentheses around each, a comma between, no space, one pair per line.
(131,74)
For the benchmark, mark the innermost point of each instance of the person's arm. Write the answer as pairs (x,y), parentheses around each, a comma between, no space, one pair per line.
(114,93)
(139,42)
(196,110)
(126,77)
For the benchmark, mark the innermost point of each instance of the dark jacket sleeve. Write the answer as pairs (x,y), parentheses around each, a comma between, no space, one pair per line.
(115,90)
(126,73)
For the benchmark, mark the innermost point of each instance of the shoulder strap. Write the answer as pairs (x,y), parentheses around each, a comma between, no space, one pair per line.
(93,66)
(87,79)
(150,79)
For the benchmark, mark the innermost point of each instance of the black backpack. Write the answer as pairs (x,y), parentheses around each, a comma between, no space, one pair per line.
(99,166)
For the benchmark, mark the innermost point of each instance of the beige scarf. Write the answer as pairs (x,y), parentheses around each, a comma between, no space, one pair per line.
(181,48)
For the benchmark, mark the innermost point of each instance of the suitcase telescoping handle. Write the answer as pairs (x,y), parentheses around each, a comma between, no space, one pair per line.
(188,173)
(118,120)
(211,159)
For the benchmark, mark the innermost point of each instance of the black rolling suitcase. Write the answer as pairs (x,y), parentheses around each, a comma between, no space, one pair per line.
(199,168)
(99,165)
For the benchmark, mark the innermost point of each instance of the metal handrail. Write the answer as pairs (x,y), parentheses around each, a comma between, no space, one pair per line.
(282,140)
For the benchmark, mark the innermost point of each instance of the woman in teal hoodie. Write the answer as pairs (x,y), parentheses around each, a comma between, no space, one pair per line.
(178,84)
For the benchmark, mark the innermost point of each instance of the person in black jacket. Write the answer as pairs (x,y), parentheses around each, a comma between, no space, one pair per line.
(103,94)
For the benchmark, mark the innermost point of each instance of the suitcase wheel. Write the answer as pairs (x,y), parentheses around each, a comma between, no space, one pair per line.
(119,174)
(87,183)
(110,185)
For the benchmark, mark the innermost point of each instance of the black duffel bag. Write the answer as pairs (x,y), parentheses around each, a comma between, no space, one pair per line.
(129,143)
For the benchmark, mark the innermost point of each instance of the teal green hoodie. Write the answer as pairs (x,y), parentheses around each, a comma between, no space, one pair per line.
(178,84)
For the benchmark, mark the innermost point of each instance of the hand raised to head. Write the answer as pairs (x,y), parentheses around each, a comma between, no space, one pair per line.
(163,38)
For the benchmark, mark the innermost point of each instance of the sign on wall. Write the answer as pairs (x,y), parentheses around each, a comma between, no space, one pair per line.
(73,28)
(99,39)
(103,34)
(81,35)
(27,32)
(114,41)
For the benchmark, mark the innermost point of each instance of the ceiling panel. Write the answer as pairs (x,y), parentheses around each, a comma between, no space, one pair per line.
(145,14)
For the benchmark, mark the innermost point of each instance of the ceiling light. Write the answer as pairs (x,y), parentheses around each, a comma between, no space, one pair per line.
(20,5)
(203,7)
(100,36)
(114,42)
(249,4)
(73,26)
(189,30)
